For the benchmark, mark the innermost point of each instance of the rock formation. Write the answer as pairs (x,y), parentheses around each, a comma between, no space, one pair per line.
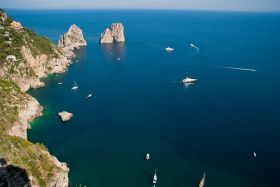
(65,116)
(113,34)
(71,40)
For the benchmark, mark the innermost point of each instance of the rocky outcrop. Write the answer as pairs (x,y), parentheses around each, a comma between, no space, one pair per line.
(65,116)
(70,41)
(113,34)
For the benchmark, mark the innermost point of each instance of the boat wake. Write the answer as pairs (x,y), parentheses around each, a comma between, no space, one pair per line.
(237,68)
(193,46)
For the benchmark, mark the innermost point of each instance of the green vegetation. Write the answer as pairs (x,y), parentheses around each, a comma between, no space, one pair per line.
(10,99)
(34,158)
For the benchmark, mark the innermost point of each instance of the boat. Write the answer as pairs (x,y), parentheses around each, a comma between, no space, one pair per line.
(89,95)
(188,80)
(169,49)
(60,83)
(255,154)
(75,87)
(202,181)
(118,58)
(147,156)
(155,177)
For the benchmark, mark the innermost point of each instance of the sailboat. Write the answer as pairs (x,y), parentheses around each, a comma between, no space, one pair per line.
(202,181)
(155,178)
(75,87)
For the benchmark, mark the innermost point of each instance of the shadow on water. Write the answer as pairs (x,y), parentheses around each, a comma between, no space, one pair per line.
(114,51)
(12,176)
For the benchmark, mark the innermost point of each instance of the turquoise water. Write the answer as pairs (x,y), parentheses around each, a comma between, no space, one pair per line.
(140,106)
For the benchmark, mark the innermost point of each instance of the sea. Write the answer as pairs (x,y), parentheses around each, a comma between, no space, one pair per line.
(140,106)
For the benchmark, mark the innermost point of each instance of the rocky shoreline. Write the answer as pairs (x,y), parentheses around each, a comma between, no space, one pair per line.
(26,73)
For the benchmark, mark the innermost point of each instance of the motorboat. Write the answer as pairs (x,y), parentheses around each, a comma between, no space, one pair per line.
(75,87)
(155,177)
(89,95)
(188,80)
(169,49)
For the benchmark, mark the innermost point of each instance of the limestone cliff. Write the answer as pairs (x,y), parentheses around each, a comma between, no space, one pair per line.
(113,34)
(34,57)
(70,41)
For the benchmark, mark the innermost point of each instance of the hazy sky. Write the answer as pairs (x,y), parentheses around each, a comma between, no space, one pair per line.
(252,5)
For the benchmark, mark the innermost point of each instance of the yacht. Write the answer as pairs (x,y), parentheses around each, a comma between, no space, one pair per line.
(169,49)
(75,87)
(155,177)
(202,181)
(188,80)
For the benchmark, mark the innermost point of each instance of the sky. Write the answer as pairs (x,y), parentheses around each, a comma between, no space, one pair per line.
(231,5)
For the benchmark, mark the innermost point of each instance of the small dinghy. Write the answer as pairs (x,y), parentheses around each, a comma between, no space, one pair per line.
(202,181)
(75,87)
(169,49)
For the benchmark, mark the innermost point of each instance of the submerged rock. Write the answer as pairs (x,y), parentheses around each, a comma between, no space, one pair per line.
(65,116)
(71,40)
(113,34)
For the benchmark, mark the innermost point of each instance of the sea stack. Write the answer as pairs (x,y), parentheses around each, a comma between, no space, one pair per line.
(113,34)
(73,39)
(65,116)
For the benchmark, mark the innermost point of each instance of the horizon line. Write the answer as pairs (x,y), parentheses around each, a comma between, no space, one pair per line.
(162,9)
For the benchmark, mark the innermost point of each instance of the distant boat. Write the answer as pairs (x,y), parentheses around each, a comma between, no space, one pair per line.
(169,49)
(155,177)
(202,181)
(147,156)
(75,87)
(255,154)
(193,46)
(89,95)
(188,80)
(60,83)
(118,58)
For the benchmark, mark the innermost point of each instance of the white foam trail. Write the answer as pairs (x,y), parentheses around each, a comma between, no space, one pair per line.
(236,68)
(193,46)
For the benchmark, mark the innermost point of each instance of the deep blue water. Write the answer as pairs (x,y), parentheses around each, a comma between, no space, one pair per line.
(214,125)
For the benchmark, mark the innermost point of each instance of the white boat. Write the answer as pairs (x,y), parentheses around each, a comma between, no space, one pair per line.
(75,87)
(202,181)
(255,154)
(147,156)
(60,83)
(155,177)
(169,49)
(188,80)
(118,58)
(89,95)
